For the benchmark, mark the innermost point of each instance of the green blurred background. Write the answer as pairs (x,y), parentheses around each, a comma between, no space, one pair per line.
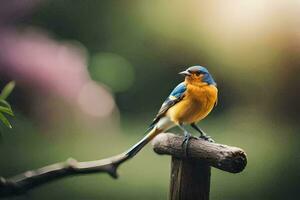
(92,74)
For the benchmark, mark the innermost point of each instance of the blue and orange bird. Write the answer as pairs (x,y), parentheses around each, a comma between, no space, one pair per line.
(189,102)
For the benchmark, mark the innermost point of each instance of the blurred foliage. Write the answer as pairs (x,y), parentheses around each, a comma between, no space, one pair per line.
(5,107)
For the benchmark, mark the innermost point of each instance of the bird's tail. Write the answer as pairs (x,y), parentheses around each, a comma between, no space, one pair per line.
(152,132)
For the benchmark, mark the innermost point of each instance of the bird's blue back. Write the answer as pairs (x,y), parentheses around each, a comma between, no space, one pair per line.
(178,91)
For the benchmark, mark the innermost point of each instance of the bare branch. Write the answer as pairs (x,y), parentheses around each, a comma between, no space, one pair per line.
(231,159)
(33,178)
(227,158)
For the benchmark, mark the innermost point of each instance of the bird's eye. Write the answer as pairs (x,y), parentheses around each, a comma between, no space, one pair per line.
(197,73)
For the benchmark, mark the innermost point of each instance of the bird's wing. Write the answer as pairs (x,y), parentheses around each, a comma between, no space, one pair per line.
(176,95)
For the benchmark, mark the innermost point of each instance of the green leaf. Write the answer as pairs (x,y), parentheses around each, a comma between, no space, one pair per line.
(7,90)
(5,103)
(6,110)
(5,121)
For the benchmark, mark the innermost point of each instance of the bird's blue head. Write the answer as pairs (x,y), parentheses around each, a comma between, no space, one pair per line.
(198,74)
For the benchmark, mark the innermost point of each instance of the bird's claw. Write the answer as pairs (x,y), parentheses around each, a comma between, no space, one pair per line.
(207,138)
(185,143)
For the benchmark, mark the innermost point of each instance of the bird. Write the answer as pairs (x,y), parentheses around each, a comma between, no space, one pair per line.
(189,102)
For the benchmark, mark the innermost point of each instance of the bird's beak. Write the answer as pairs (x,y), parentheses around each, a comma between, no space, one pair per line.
(185,73)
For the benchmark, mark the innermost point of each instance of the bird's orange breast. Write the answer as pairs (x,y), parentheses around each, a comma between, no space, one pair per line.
(196,104)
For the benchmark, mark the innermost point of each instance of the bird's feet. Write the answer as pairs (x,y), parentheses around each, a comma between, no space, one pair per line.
(185,142)
(206,137)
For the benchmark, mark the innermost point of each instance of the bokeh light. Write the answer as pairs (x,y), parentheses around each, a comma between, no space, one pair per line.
(113,70)
(95,100)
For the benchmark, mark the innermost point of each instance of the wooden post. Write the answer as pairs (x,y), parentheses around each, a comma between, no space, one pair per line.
(190,177)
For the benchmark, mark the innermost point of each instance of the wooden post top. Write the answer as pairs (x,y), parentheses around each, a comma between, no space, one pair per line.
(223,157)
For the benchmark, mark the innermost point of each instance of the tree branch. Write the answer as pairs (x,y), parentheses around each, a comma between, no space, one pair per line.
(226,158)
(33,178)
(231,159)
